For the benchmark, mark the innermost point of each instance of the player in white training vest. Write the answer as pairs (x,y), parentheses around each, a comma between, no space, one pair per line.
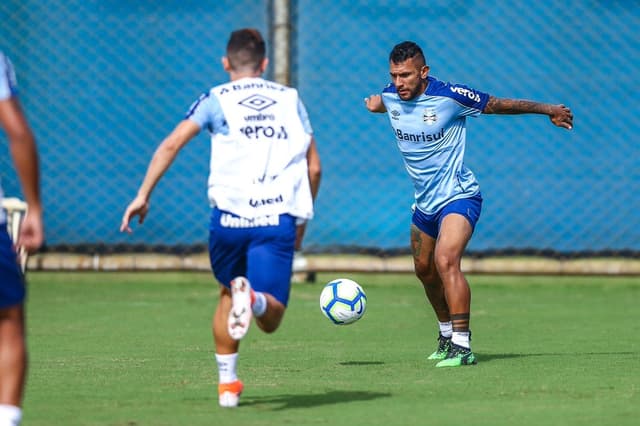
(264,174)
(259,166)
(428,118)
(13,350)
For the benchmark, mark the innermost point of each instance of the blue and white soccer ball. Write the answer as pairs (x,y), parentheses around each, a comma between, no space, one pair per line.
(343,301)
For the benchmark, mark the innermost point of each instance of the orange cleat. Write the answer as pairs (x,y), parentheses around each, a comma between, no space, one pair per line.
(229,393)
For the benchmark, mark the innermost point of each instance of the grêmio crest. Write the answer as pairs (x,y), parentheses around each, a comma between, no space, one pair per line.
(429,116)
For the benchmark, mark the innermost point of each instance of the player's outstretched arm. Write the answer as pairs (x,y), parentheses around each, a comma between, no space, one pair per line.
(374,103)
(559,115)
(162,159)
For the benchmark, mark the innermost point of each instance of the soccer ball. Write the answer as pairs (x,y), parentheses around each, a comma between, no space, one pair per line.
(343,301)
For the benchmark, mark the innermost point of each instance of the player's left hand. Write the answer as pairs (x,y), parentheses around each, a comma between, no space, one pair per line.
(561,116)
(138,207)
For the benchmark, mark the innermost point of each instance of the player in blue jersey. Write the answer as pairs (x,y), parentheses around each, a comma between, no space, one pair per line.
(428,118)
(13,351)
(264,174)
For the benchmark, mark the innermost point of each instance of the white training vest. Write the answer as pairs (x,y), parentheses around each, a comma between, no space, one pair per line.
(260,167)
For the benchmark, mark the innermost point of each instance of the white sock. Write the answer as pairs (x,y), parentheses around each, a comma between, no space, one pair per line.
(446,328)
(227,367)
(461,338)
(259,306)
(10,415)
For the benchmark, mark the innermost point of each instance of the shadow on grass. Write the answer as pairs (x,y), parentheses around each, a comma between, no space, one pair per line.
(285,402)
(483,357)
(357,363)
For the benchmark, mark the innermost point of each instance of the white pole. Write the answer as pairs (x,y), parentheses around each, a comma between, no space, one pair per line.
(281,41)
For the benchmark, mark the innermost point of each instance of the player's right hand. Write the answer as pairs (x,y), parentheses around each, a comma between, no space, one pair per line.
(31,234)
(138,207)
(374,103)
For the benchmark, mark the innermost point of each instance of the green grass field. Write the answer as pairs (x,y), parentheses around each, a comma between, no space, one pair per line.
(136,349)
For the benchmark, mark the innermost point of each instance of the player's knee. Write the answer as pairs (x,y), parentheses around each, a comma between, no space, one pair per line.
(269,328)
(426,272)
(447,261)
(270,321)
(269,325)
(225,291)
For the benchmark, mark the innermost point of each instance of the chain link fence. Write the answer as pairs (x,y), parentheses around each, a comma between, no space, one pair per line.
(103,81)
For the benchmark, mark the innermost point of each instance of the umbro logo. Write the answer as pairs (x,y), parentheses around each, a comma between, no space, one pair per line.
(257,102)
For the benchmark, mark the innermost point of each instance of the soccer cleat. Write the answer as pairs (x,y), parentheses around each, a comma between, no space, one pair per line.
(229,393)
(240,313)
(444,344)
(458,356)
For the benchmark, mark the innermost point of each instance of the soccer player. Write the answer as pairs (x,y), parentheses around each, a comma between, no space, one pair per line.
(428,118)
(260,186)
(13,351)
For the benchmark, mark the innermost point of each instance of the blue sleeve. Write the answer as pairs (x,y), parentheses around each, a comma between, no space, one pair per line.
(206,112)
(8,84)
(304,117)
(472,101)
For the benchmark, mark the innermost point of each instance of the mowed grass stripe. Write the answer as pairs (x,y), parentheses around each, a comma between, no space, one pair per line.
(136,349)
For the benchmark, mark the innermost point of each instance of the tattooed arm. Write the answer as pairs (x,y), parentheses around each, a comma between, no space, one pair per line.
(559,115)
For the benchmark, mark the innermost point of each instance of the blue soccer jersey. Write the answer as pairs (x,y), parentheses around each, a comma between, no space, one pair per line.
(430,133)
(8,89)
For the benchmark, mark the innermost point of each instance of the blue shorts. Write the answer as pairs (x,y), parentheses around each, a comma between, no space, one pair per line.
(12,289)
(430,223)
(260,249)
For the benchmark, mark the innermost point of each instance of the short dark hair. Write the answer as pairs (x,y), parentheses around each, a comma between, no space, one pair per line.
(246,49)
(406,50)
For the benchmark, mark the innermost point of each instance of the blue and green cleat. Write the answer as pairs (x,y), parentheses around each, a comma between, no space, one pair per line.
(458,356)
(444,344)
